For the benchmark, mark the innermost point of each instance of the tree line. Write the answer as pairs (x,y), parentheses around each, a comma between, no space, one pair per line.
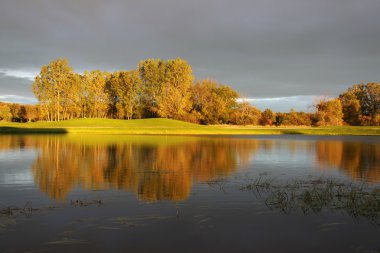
(166,89)
(157,88)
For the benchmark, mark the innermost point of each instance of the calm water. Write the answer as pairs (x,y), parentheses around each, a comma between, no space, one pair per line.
(63,193)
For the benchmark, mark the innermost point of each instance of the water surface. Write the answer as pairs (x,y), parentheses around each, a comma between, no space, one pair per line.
(178,193)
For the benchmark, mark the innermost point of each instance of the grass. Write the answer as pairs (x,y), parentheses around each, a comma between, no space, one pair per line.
(314,196)
(9,215)
(169,127)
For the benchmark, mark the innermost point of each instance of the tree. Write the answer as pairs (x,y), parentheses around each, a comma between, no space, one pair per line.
(213,101)
(361,104)
(245,114)
(29,113)
(14,109)
(5,112)
(293,118)
(166,87)
(329,112)
(125,89)
(77,102)
(93,92)
(373,91)
(152,73)
(267,117)
(174,99)
(351,108)
(52,87)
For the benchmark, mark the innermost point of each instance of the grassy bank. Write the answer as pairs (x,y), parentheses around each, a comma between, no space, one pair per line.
(169,127)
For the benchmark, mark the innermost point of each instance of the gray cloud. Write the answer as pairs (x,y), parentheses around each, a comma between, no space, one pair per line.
(17,99)
(18,74)
(266,48)
(15,86)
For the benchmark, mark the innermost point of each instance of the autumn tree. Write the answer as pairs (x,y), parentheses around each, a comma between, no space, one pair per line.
(361,104)
(14,109)
(166,87)
(351,108)
(76,103)
(301,118)
(152,73)
(293,118)
(28,113)
(94,99)
(245,114)
(5,112)
(125,88)
(53,87)
(329,112)
(174,99)
(214,102)
(268,117)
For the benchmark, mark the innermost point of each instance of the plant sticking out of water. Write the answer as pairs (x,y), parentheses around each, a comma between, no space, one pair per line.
(10,214)
(84,202)
(259,184)
(314,196)
(9,211)
(219,184)
(27,209)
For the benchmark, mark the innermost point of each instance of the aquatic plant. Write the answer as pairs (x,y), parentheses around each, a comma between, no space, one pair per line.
(315,196)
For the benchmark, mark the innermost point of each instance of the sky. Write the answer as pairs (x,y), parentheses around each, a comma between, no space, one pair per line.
(280,54)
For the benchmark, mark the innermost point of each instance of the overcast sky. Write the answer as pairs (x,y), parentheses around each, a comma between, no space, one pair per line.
(280,53)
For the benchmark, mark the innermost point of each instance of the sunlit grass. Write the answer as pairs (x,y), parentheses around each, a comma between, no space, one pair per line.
(171,127)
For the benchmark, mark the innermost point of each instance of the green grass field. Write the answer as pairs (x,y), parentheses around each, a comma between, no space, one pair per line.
(170,127)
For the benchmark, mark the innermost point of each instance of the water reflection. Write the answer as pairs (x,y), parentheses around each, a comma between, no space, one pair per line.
(358,160)
(153,168)
(159,167)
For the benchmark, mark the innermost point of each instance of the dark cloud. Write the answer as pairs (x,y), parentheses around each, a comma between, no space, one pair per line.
(15,86)
(266,48)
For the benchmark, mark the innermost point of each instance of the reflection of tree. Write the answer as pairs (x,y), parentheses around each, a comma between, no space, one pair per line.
(359,160)
(152,171)
(14,142)
(158,167)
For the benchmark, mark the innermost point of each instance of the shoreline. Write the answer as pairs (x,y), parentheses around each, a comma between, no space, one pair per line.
(206,131)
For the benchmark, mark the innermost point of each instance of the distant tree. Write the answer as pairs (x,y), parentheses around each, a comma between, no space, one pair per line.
(78,103)
(93,97)
(351,108)
(166,87)
(53,87)
(329,112)
(280,119)
(202,100)
(125,88)
(245,114)
(214,102)
(5,112)
(304,119)
(28,113)
(174,99)
(152,73)
(22,114)
(361,104)
(14,109)
(293,118)
(267,117)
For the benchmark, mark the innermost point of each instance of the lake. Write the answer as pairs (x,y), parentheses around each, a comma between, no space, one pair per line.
(289,193)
